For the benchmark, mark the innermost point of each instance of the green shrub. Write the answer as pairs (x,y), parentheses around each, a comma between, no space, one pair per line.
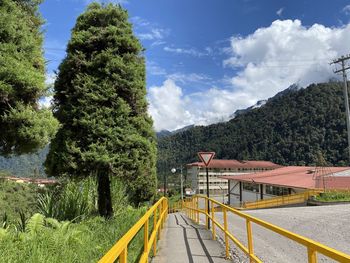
(334,196)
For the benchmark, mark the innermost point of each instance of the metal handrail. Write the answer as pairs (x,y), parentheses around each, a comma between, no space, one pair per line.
(192,210)
(282,200)
(120,249)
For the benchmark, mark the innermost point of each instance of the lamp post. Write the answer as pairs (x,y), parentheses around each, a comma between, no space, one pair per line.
(223,194)
(173,170)
(164,186)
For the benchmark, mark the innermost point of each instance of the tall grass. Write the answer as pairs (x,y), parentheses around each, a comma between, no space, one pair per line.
(48,240)
(76,200)
(67,228)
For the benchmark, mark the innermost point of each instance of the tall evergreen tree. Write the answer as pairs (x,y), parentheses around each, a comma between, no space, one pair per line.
(24,127)
(101,103)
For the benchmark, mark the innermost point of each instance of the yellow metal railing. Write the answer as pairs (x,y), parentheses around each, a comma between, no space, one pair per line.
(175,207)
(159,212)
(282,200)
(192,211)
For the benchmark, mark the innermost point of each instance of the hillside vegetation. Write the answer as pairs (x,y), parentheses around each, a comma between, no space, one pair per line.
(16,198)
(288,130)
(42,225)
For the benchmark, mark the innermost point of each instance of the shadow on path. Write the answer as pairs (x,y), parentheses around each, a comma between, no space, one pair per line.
(184,241)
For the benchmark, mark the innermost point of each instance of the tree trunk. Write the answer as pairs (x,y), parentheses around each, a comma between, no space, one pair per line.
(104,194)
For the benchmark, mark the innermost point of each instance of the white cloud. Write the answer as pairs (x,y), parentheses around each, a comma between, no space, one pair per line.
(265,62)
(154,69)
(167,106)
(50,78)
(346,9)
(149,31)
(45,102)
(187,51)
(188,78)
(280,11)
(153,34)
(284,53)
(171,109)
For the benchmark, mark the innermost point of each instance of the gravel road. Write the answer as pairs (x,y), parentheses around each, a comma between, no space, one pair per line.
(329,225)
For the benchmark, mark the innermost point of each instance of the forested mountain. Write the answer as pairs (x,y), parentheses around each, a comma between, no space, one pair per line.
(25,165)
(287,130)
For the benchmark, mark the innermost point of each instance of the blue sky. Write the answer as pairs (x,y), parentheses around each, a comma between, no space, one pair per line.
(206,59)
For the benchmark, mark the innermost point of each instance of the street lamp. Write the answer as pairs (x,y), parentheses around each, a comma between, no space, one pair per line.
(223,194)
(164,186)
(173,170)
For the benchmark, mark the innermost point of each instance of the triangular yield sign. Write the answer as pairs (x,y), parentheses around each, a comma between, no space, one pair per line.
(206,157)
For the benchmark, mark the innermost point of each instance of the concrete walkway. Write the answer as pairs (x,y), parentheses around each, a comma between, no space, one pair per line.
(183,241)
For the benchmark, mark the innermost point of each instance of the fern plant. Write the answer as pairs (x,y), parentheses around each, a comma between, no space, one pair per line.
(35,224)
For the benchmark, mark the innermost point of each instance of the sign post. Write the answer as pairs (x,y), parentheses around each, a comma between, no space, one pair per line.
(206,157)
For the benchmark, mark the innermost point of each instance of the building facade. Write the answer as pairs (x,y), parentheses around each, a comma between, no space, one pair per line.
(284,181)
(219,168)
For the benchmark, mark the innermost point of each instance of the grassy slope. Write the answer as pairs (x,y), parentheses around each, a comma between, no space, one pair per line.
(15,197)
(86,241)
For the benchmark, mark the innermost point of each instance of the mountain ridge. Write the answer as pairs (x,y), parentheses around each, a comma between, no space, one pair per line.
(288,130)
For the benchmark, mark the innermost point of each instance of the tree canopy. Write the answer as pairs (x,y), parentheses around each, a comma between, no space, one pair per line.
(25,127)
(100,100)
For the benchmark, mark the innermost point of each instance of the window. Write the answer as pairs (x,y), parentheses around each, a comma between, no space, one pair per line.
(251,187)
(275,190)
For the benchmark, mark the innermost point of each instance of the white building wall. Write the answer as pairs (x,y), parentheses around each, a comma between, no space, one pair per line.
(217,186)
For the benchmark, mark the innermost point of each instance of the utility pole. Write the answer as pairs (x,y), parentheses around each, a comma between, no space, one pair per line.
(343,69)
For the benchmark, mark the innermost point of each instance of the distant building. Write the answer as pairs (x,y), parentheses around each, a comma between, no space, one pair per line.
(284,181)
(218,168)
(41,182)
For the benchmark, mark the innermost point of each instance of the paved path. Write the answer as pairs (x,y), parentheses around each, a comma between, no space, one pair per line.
(183,241)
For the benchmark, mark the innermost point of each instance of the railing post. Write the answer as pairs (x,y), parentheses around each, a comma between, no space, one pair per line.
(312,255)
(145,239)
(206,213)
(159,212)
(154,229)
(166,210)
(250,240)
(161,215)
(187,209)
(191,211)
(226,236)
(123,258)
(197,212)
(193,208)
(212,220)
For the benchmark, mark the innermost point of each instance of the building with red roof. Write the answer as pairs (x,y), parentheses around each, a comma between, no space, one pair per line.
(283,181)
(218,168)
(38,181)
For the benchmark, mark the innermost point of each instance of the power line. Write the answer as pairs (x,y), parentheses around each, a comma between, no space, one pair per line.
(343,70)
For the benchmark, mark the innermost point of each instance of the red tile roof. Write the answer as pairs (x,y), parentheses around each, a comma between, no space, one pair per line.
(298,177)
(215,163)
